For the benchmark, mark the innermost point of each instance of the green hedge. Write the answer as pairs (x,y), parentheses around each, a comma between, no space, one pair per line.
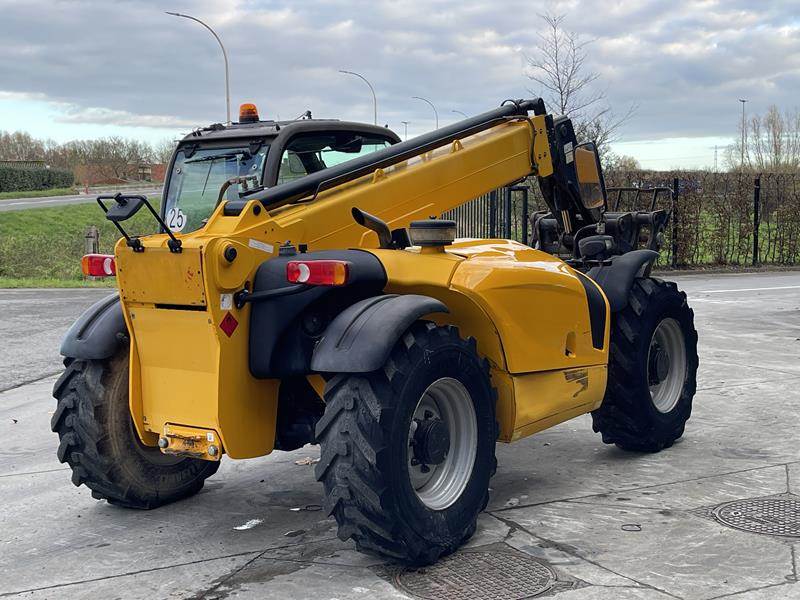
(20,179)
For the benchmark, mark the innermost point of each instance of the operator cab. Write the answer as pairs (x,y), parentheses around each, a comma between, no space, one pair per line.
(260,154)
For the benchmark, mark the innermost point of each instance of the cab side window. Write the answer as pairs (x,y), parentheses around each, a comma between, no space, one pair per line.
(314,152)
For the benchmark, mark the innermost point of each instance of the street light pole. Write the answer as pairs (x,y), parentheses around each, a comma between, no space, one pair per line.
(458,112)
(744,125)
(435,112)
(371,89)
(405,123)
(224,55)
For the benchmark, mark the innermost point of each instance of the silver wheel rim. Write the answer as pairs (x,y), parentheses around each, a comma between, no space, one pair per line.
(667,339)
(447,399)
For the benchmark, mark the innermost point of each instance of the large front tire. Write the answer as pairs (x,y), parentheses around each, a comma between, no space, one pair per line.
(652,374)
(408,450)
(99,442)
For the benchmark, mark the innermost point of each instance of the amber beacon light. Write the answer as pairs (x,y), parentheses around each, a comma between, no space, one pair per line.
(248,113)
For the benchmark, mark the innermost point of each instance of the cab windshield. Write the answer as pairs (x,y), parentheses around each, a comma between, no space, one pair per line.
(196,179)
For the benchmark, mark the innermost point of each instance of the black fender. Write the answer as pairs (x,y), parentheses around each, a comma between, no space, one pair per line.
(361,337)
(285,328)
(617,278)
(98,332)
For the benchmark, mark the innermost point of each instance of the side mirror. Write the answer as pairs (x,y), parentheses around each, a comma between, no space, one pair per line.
(590,176)
(124,207)
(127,206)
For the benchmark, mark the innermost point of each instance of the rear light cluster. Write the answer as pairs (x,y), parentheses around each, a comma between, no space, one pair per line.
(98,265)
(318,272)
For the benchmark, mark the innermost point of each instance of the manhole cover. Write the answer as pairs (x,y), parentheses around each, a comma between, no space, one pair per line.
(773,515)
(475,575)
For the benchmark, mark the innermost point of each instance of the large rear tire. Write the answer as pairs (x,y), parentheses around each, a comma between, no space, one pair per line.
(99,442)
(652,374)
(408,450)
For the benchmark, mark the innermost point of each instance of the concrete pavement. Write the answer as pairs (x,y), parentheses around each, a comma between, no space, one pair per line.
(47,201)
(32,323)
(568,515)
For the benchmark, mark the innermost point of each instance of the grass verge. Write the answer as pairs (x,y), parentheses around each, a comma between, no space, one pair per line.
(38,193)
(49,282)
(46,244)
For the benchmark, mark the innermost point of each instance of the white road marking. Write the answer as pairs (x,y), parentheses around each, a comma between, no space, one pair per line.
(761,289)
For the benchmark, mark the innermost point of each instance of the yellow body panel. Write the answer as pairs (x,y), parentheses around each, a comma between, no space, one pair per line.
(159,275)
(526,309)
(186,365)
(522,306)
(535,300)
(550,397)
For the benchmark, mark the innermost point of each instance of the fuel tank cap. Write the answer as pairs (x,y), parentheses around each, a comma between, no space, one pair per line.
(432,232)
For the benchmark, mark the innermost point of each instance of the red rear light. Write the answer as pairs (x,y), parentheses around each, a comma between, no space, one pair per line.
(318,272)
(98,265)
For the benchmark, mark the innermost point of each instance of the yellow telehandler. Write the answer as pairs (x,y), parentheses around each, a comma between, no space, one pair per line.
(304,289)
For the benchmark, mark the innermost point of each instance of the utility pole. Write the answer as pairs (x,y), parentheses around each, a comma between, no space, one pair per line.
(715,158)
(744,130)
(371,89)
(224,55)
(405,124)
(435,112)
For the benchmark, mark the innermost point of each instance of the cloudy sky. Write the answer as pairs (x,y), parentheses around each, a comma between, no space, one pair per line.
(71,69)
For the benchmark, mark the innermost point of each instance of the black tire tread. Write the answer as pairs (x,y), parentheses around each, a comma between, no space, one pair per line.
(78,420)
(353,437)
(619,418)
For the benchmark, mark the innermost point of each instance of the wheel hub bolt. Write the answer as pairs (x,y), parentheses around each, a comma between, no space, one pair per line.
(163,442)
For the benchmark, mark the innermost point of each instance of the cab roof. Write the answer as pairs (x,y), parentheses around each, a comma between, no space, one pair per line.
(262,129)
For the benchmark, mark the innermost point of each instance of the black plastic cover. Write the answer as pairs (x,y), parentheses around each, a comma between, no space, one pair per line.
(97,333)
(597,311)
(360,339)
(617,278)
(284,329)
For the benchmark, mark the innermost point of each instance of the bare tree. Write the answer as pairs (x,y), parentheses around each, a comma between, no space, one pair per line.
(772,143)
(558,65)
(162,151)
(621,162)
(20,145)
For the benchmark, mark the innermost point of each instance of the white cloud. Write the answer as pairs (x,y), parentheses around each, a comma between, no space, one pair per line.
(684,63)
(123,118)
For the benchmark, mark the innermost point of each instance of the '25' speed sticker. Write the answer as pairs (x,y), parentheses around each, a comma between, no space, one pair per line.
(176,219)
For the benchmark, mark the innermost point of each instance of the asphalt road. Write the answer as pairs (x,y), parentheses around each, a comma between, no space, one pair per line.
(46,201)
(581,519)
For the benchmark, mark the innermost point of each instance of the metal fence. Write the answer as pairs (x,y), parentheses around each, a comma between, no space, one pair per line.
(717,218)
(502,213)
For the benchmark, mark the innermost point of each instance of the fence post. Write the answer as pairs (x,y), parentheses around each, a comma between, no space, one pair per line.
(493,214)
(507,217)
(524,191)
(675,191)
(756,216)
(92,240)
